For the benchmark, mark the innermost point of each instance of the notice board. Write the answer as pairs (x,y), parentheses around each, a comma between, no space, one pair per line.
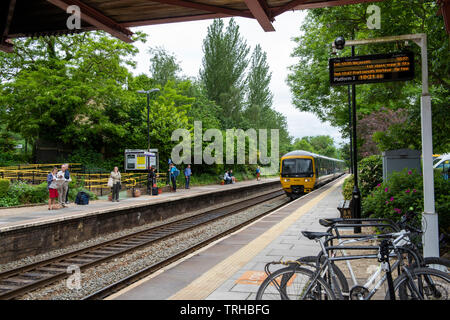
(374,68)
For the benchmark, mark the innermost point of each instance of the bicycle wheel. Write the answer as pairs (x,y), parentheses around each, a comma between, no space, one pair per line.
(424,284)
(274,287)
(441,263)
(339,274)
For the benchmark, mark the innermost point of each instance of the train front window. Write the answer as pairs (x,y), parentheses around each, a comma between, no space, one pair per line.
(296,168)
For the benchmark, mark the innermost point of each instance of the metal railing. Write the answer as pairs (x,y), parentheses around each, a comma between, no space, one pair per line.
(93,181)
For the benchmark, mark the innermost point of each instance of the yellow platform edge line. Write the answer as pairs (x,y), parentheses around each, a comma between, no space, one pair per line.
(203,286)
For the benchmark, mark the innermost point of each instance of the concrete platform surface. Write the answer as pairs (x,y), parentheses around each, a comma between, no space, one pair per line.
(11,218)
(229,269)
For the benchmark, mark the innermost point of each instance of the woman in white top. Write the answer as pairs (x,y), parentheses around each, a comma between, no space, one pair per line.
(115,176)
(52,188)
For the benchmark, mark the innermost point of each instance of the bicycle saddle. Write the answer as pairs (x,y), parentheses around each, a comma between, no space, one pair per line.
(329,222)
(315,235)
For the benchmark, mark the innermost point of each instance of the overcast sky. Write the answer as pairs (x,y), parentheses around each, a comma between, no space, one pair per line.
(185,39)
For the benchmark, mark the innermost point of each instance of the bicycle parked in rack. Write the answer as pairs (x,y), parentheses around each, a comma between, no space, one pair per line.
(413,255)
(324,280)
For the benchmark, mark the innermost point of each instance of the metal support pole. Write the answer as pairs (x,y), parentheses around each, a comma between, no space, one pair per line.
(148,122)
(148,143)
(356,195)
(350,128)
(430,236)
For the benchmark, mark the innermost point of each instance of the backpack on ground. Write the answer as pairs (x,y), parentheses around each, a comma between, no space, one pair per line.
(82,198)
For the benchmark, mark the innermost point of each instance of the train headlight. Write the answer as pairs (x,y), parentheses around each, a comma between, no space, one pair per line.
(286,180)
(307,180)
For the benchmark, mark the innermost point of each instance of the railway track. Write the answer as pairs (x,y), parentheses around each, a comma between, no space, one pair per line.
(19,281)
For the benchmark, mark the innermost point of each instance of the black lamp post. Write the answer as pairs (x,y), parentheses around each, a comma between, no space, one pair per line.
(356,195)
(147,92)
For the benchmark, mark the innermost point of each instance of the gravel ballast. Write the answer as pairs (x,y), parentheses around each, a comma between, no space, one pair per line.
(93,279)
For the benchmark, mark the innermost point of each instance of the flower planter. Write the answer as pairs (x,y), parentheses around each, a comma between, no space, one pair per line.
(137,193)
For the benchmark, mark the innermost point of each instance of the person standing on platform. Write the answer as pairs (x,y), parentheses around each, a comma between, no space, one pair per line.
(151,180)
(187,175)
(67,181)
(115,176)
(62,186)
(52,188)
(258,172)
(173,176)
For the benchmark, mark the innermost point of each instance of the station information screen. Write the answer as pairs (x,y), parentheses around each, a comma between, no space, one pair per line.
(372,68)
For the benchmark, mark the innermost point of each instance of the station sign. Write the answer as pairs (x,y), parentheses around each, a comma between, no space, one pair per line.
(375,68)
(140,159)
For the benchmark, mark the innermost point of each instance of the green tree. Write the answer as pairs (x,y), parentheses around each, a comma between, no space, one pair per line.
(65,89)
(259,96)
(303,144)
(322,144)
(164,66)
(223,70)
(309,78)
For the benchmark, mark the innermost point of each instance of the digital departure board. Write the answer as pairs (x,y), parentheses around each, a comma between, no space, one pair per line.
(372,68)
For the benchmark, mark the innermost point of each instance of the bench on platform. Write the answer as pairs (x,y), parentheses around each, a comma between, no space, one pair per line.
(345,209)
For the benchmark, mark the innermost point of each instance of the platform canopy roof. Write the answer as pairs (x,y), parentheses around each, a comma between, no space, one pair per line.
(25,18)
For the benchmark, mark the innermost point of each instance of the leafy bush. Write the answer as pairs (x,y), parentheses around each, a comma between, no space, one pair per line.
(404,190)
(347,187)
(370,174)
(27,193)
(13,158)
(22,193)
(4,186)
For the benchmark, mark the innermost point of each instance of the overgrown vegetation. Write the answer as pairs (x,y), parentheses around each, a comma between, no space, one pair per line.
(370,174)
(388,113)
(404,191)
(22,193)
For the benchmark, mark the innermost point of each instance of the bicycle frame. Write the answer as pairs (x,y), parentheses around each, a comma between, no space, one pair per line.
(326,267)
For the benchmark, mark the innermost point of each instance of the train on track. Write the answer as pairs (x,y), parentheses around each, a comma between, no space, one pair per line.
(301,171)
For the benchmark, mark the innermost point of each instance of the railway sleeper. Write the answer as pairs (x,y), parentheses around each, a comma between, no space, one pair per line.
(16,281)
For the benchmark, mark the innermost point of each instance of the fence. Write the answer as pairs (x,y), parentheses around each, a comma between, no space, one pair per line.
(95,182)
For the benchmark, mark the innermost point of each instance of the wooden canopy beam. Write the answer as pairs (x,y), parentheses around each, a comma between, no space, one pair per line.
(444,10)
(7,16)
(206,8)
(332,3)
(261,12)
(207,16)
(96,19)
(287,6)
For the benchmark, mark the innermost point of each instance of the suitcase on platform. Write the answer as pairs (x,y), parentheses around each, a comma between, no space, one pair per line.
(154,191)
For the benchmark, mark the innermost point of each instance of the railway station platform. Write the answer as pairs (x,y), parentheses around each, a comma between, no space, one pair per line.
(33,230)
(233,267)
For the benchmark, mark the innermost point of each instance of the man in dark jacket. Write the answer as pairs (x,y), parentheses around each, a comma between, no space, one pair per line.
(67,177)
(151,180)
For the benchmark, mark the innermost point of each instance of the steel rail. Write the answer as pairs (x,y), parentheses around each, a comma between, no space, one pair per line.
(18,281)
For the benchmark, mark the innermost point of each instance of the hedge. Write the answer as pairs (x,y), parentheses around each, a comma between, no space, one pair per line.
(20,193)
(403,191)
